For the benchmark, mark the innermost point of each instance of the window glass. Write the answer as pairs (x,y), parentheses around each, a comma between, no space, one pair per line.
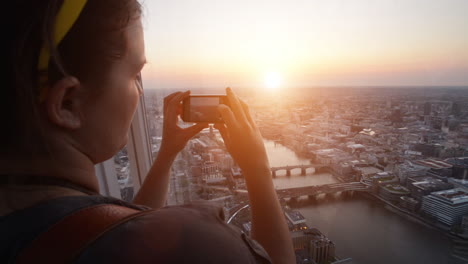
(124,177)
(363,106)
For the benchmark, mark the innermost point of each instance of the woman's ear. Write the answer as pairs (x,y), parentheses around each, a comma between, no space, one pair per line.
(64,102)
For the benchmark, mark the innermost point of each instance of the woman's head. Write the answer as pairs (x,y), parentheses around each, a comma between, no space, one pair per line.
(91,79)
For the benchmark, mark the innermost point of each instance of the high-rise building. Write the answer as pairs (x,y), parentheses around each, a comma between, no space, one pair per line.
(448,206)
(426,186)
(309,243)
(456,108)
(321,249)
(460,244)
(315,244)
(464,226)
(427,108)
(460,167)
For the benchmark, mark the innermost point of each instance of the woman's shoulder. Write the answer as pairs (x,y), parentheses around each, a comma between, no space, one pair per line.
(24,225)
(195,233)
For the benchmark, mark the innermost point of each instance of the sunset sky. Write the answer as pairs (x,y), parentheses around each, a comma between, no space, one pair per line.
(218,43)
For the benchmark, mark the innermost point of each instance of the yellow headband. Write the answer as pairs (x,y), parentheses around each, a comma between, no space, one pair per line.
(66,17)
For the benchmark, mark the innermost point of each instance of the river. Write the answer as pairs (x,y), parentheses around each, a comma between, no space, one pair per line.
(361,228)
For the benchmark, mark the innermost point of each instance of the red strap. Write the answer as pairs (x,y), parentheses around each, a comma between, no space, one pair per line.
(65,240)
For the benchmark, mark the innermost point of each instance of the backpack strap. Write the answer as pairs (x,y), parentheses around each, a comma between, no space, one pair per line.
(66,239)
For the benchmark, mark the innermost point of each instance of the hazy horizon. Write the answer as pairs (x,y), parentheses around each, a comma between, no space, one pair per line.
(280,44)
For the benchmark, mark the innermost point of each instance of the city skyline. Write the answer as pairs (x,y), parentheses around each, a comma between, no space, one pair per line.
(357,164)
(305,43)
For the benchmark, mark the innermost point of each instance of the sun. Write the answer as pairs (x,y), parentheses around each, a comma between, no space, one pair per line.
(272,80)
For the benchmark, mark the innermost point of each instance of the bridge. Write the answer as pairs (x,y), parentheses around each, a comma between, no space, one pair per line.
(316,190)
(322,189)
(308,191)
(303,168)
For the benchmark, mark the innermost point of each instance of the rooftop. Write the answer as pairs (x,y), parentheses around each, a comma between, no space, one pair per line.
(408,199)
(459,162)
(354,146)
(433,163)
(295,217)
(367,131)
(430,183)
(383,176)
(459,182)
(454,196)
(396,188)
(369,170)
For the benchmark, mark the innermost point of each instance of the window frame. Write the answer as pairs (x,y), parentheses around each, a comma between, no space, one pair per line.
(139,154)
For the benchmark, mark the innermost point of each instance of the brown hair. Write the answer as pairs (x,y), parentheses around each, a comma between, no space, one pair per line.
(95,41)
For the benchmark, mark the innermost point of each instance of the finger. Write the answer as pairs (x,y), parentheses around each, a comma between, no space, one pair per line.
(180,107)
(227,115)
(247,112)
(171,95)
(224,133)
(176,100)
(236,106)
(189,132)
(167,99)
(179,97)
(174,104)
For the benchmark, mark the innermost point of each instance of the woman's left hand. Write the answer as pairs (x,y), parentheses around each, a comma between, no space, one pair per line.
(174,137)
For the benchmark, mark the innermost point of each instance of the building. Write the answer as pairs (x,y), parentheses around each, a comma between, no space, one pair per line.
(329,156)
(314,245)
(457,183)
(365,173)
(460,243)
(464,226)
(383,177)
(448,206)
(211,172)
(392,192)
(409,203)
(436,167)
(295,217)
(427,108)
(322,249)
(435,164)
(355,148)
(426,186)
(429,149)
(310,245)
(343,169)
(460,167)
(408,169)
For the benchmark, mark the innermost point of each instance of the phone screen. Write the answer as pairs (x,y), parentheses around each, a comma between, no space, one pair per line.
(202,109)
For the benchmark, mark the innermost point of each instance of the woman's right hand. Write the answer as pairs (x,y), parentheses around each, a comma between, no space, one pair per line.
(241,135)
(244,141)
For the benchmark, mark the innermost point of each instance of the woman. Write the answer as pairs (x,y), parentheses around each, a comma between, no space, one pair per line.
(73,84)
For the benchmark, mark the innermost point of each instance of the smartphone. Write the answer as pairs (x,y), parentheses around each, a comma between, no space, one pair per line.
(203,108)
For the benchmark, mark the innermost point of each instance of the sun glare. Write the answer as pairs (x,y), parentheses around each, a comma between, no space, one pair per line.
(272,80)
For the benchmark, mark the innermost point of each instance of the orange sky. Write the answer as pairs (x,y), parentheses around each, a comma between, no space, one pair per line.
(331,42)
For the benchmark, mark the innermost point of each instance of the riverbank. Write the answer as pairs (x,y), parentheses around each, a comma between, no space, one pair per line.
(353,222)
(405,213)
(445,230)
